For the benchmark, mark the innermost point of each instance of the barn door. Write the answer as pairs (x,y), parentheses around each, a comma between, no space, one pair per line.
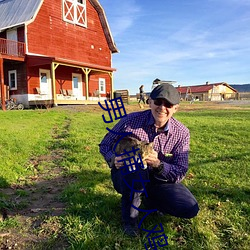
(77,85)
(45,84)
(12,48)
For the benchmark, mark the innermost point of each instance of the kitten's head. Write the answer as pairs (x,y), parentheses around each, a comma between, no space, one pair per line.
(145,148)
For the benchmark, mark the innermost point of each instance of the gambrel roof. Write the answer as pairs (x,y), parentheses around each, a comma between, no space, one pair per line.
(105,25)
(18,12)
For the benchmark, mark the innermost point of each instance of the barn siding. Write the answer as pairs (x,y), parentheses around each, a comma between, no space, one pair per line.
(50,35)
(33,78)
(21,77)
(20,34)
(94,84)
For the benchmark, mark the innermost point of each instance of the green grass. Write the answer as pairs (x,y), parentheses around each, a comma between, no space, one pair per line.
(218,177)
(23,135)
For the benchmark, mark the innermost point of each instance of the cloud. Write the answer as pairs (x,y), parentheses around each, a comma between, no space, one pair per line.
(122,15)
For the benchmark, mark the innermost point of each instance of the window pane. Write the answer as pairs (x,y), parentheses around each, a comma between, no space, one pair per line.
(12,80)
(102,87)
(44,77)
(75,82)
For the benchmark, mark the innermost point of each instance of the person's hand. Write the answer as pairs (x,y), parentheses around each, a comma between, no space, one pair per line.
(152,160)
(117,163)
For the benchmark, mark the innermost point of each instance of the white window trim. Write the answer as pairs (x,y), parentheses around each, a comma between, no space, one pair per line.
(102,80)
(75,18)
(9,73)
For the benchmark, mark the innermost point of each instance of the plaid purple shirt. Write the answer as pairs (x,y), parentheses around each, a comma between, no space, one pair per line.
(172,145)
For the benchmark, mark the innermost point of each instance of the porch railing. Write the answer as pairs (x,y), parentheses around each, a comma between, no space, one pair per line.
(12,48)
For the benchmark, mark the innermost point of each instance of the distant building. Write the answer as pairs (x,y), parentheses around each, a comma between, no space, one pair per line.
(157,82)
(207,92)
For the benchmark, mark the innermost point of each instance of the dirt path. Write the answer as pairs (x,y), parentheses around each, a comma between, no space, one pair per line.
(33,205)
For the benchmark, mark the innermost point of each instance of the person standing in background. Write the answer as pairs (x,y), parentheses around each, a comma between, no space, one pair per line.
(142,98)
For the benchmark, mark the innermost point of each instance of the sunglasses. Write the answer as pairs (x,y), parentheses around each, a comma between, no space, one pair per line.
(159,102)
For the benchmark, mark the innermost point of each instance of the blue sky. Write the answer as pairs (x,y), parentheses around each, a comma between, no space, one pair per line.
(188,41)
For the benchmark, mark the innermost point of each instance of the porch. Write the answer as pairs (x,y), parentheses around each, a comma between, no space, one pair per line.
(50,103)
(10,48)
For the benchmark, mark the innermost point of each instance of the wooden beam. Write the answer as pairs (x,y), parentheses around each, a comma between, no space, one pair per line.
(112,85)
(2,84)
(53,79)
(86,71)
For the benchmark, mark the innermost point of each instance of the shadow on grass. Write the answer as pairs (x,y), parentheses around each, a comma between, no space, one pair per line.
(32,210)
(219,193)
(227,210)
(94,218)
(91,195)
(3,182)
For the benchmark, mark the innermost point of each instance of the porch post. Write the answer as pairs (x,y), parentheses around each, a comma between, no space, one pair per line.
(86,72)
(53,79)
(53,83)
(111,85)
(2,84)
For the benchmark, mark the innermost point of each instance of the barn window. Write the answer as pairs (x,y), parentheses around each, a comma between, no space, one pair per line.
(12,80)
(102,86)
(74,11)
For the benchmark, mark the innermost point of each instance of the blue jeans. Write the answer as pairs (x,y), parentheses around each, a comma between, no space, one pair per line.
(169,198)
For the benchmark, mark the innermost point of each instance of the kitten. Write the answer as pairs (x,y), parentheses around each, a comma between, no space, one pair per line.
(127,143)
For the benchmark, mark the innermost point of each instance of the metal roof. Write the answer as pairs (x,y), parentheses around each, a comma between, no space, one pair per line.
(202,88)
(16,12)
(105,25)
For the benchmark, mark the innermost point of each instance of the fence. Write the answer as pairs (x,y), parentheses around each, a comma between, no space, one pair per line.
(123,93)
(244,96)
(13,48)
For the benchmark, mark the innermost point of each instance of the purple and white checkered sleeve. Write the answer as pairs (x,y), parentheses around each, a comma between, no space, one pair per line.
(106,145)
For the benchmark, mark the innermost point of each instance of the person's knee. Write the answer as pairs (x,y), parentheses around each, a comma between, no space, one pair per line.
(190,212)
(187,212)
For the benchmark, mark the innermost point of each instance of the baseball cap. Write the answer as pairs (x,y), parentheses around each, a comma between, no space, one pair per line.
(166,91)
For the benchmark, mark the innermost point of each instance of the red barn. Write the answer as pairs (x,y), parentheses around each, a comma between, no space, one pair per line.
(56,52)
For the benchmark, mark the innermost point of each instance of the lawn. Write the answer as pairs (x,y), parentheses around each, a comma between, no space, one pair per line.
(218,176)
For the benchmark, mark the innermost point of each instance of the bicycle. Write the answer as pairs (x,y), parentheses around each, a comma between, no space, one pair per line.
(12,104)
